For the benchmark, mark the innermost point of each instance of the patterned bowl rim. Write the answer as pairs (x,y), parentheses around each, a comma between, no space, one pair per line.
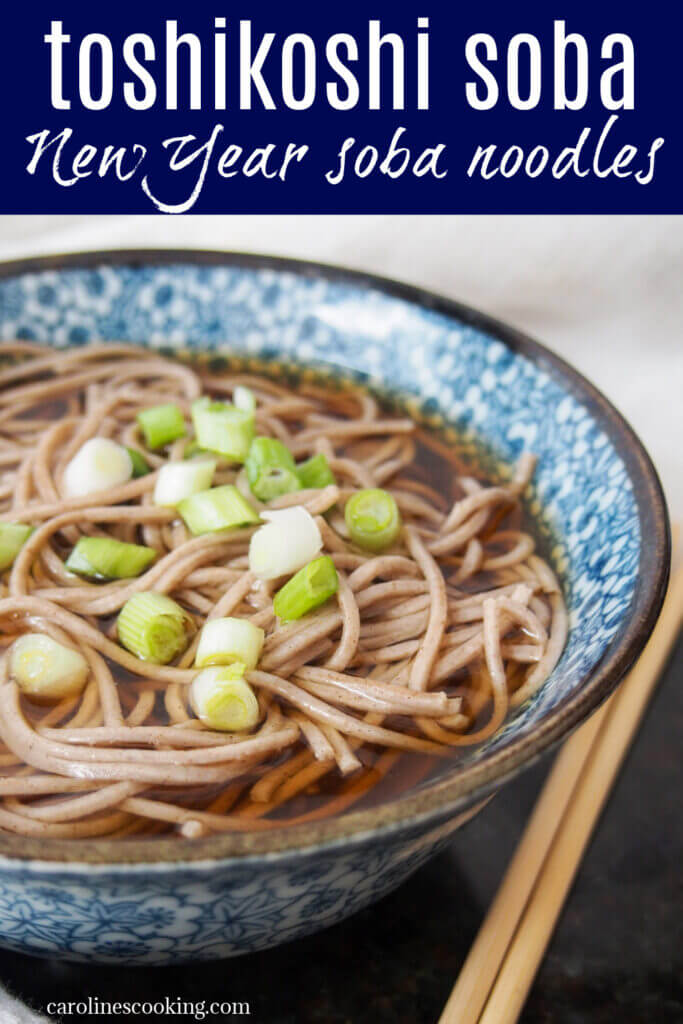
(447,796)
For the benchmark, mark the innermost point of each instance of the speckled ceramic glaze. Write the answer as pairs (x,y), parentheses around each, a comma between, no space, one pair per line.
(595,498)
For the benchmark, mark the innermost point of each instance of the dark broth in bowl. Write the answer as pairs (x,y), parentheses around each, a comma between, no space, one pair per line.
(423,645)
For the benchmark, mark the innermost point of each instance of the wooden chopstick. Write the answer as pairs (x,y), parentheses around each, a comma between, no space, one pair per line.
(479,970)
(503,961)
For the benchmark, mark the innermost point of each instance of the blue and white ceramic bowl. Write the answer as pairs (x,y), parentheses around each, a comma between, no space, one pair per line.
(596,499)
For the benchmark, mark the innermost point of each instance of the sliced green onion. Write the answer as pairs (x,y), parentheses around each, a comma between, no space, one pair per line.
(373,519)
(13,536)
(98,465)
(223,700)
(222,428)
(289,540)
(192,449)
(224,641)
(244,399)
(103,558)
(140,464)
(47,670)
(161,424)
(153,627)
(308,589)
(315,472)
(219,508)
(271,470)
(178,480)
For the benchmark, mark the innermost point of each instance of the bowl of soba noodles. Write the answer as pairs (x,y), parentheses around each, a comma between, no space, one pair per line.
(298,567)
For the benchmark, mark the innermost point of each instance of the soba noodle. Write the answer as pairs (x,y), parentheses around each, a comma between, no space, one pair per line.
(425,646)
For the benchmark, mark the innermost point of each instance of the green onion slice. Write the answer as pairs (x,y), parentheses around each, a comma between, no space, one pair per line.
(154,628)
(308,589)
(161,424)
(373,519)
(289,540)
(192,449)
(223,428)
(223,700)
(13,536)
(46,670)
(223,641)
(103,558)
(219,508)
(315,472)
(99,464)
(140,464)
(178,480)
(244,399)
(271,470)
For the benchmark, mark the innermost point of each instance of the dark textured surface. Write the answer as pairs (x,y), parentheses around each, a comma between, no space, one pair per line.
(616,957)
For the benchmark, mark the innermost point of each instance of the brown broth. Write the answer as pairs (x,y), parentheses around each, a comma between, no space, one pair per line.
(436,466)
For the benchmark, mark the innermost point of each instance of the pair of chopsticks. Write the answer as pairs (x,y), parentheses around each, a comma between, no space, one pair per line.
(501,965)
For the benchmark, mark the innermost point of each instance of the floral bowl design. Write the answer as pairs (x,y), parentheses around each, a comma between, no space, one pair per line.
(596,501)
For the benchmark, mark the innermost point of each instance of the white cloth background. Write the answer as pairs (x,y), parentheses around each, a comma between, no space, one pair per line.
(606,293)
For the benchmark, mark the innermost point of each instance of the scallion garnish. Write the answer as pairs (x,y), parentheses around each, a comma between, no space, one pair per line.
(244,399)
(223,700)
(153,627)
(308,589)
(271,470)
(103,558)
(140,464)
(223,428)
(45,669)
(179,480)
(224,641)
(98,464)
(373,519)
(191,449)
(289,540)
(219,508)
(13,536)
(315,472)
(161,424)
